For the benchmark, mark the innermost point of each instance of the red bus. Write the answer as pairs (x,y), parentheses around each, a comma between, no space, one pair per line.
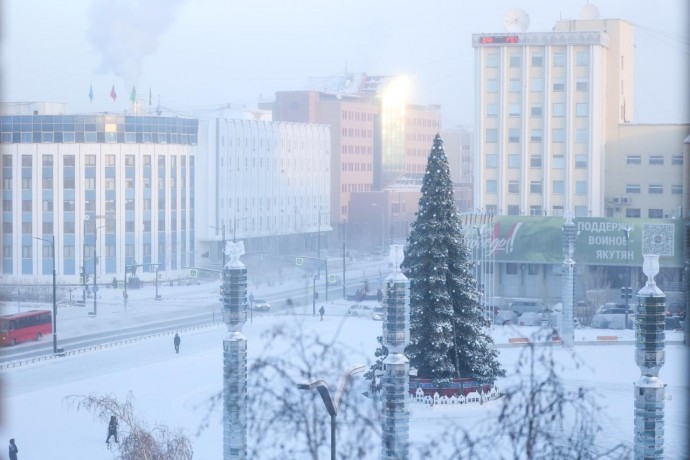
(25,326)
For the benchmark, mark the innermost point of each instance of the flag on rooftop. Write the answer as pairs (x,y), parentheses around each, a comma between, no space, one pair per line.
(91,93)
(133,95)
(113,94)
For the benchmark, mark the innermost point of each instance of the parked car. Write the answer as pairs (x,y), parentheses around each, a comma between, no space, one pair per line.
(612,316)
(511,313)
(538,318)
(359,310)
(377,314)
(261,305)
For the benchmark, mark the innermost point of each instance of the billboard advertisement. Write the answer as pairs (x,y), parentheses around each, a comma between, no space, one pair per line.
(598,241)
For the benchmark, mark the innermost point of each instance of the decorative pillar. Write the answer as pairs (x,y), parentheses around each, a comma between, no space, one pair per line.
(234,354)
(649,357)
(395,425)
(568,281)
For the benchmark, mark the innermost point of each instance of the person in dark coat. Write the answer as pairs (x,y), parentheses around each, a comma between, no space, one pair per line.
(13,450)
(112,429)
(321,312)
(177,341)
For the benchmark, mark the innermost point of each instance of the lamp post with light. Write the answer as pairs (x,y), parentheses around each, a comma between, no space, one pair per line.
(52,248)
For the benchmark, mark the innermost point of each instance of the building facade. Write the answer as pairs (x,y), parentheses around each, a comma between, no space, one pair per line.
(548,103)
(263,182)
(112,188)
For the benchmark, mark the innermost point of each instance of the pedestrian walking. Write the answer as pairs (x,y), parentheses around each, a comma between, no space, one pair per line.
(13,450)
(112,429)
(177,341)
(321,312)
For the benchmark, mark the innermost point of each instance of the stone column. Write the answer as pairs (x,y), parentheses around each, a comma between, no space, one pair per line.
(395,425)
(234,355)
(650,356)
(568,282)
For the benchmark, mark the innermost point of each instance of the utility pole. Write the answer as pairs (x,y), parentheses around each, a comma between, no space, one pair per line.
(627,290)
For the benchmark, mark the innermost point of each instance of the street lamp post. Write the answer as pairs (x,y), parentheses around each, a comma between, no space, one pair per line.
(628,288)
(222,229)
(52,248)
(332,405)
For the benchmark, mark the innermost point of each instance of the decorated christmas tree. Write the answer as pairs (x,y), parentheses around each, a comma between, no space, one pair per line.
(448,331)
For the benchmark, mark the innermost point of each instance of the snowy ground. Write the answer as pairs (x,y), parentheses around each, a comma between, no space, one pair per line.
(171,389)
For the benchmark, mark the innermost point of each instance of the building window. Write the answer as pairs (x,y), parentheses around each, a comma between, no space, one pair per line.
(514,135)
(511,269)
(558,135)
(582,58)
(536,111)
(514,110)
(515,60)
(535,187)
(633,160)
(558,84)
(535,135)
(68,160)
(537,60)
(581,136)
(655,213)
(581,84)
(632,212)
(557,211)
(110,160)
(514,85)
(90,160)
(535,161)
(47,205)
(558,162)
(558,187)
(581,161)
(535,210)
(657,160)
(513,210)
(490,186)
(513,186)
(580,211)
(491,161)
(581,109)
(492,85)
(537,84)
(558,60)
(69,227)
(514,161)
(632,188)
(492,60)
(676,190)
(581,187)
(656,189)
(677,160)
(491,135)
(492,110)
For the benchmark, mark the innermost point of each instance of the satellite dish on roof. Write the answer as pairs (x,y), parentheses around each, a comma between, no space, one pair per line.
(516,21)
(589,12)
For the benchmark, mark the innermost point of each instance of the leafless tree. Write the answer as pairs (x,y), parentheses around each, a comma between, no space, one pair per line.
(137,441)
(596,284)
(541,417)
(286,422)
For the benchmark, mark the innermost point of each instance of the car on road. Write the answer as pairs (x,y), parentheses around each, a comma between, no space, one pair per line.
(612,316)
(377,314)
(261,305)
(359,310)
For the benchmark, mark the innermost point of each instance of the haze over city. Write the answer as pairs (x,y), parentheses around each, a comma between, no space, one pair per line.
(193,56)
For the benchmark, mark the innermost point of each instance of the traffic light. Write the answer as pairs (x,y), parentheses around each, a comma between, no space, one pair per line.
(626,293)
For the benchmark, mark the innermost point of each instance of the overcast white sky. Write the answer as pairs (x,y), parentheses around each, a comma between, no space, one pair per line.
(202,53)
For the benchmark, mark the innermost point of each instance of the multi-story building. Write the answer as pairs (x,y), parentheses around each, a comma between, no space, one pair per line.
(266,183)
(555,131)
(112,188)
(376,134)
(548,103)
(458,143)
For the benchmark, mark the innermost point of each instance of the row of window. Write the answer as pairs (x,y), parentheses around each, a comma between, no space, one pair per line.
(536,187)
(90,160)
(653,189)
(537,210)
(70,137)
(536,135)
(654,160)
(356,132)
(357,116)
(536,85)
(537,59)
(355,167)
(515,161)
(558,110)
(651,213)
(356,149)
(355,188)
